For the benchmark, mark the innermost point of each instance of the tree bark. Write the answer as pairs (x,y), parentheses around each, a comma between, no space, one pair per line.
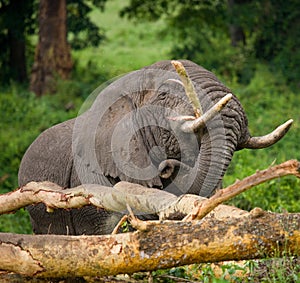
(141,199)
(53,54)
(161,245)
(17,56)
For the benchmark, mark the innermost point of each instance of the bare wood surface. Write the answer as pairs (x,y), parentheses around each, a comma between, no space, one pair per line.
(189,88)
(139,198)
(162,245)
(223,233)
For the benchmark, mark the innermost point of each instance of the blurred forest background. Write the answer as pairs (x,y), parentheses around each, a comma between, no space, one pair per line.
(54,53)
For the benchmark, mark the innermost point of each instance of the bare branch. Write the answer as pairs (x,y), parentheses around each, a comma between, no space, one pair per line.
(189,88)
(143,200)
(50,194)
(291,167)
(191,126)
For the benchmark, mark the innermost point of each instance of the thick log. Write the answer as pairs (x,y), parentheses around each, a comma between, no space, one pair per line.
(160,245)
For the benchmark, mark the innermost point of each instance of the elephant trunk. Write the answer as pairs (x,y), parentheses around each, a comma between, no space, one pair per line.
(218,143)
(217,148)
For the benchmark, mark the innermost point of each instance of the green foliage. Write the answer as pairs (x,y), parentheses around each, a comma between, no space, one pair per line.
(82,32)
(268,102)
(205,31)
(18,223)
(285,270)
(18,30)
(23,118)
(277,29)
(128,45)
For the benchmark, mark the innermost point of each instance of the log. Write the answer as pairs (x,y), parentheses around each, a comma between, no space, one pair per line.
(163,244)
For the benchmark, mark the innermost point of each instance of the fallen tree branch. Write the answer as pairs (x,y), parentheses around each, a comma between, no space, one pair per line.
(291,167)
(139,198)
(161,245)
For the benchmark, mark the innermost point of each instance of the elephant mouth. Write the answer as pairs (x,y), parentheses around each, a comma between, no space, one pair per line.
(169,168)
(176,176)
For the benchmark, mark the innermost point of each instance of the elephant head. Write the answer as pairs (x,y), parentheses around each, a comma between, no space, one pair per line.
(220,135)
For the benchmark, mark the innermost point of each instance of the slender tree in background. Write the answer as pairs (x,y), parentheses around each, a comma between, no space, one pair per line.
(19,20)
(237,34)
(16,21)
(53,52)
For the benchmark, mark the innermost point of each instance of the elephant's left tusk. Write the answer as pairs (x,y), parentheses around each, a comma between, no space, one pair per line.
(192,126)
(269,139)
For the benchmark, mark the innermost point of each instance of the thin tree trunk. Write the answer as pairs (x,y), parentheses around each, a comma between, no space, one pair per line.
(17,57)
(237,34)
(16,40)
(53,54)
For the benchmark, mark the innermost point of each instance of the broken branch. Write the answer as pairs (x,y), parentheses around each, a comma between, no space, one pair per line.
(291,167)
(188,87)
(141,199)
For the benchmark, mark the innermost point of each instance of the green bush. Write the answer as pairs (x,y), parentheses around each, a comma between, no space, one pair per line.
(268,102)
(23,118)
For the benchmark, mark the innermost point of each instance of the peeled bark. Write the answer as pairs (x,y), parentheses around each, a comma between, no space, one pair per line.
(142,199)
(53,54)
(161,245)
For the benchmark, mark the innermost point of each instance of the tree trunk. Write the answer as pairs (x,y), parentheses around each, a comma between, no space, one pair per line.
(237,34)
(53,54)
(17,59)
(16,11)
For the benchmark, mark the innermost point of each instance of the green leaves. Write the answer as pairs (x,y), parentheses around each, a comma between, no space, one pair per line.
(82,32)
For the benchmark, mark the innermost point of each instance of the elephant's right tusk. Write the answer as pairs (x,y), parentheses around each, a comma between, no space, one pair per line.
(270,139)
(192,126)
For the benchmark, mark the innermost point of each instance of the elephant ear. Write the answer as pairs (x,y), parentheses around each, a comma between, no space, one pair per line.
(108,143)
(123,154)
(108,138)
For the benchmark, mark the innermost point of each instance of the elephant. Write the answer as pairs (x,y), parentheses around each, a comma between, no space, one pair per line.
(139,129)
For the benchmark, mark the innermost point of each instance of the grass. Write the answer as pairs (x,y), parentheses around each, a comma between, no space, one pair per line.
(128,45)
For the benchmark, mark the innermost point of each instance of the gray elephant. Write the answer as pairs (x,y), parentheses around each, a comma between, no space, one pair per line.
(132,133)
